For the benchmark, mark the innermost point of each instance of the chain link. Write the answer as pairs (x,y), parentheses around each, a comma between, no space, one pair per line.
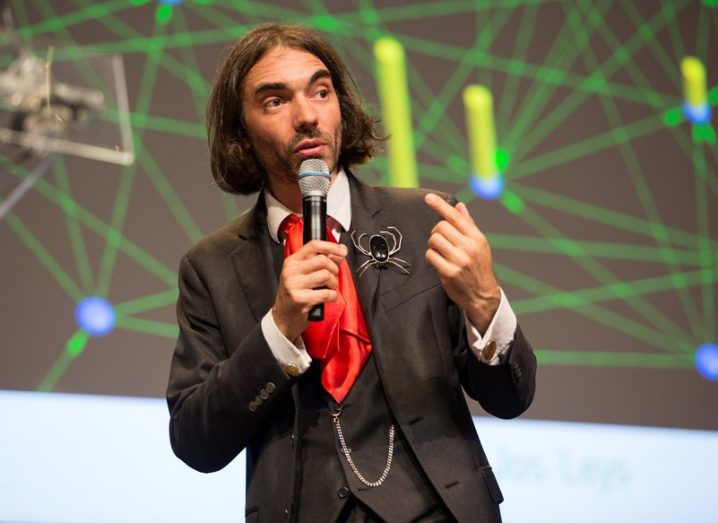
(347,454)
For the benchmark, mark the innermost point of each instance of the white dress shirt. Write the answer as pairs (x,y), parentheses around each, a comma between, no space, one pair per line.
(292,354)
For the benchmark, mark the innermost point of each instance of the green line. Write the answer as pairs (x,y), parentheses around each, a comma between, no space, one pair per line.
(199,89)
(668,63)
(565,50)
(645,198)
(594,144)
(602,274)
(73,229)
(119,210)
(122,198)
(146,303)
(702,218)
(456,82)
(56,372)
(704,19)
(167,330)
(619,290)
(607,250)
(91,12)
(508,101)
(44,257)
(132,250)
(593,312)
(169,196)
(597,82)
(613,359)
(74,346)
(605,216)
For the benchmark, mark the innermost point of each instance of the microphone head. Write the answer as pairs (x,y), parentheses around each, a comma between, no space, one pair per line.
(314,178)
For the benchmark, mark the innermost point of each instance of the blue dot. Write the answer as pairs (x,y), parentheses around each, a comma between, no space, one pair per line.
(706,360)
(487,189)
(697,114)
(170,2)
(95,316)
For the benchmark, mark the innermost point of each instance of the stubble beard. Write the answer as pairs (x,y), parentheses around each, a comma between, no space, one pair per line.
(285,166)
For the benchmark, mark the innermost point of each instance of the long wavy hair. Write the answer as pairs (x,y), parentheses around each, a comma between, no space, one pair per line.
(235,167)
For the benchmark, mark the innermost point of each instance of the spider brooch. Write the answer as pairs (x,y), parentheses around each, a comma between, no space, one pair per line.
(379,252)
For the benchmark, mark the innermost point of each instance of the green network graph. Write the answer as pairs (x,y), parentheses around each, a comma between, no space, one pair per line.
(604,235)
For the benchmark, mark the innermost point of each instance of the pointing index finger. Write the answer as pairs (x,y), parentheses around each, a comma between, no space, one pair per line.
(449,213)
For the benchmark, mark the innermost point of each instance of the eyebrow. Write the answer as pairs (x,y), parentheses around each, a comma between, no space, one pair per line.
(279,86)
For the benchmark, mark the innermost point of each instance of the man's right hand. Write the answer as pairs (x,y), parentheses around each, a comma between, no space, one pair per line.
(308,277)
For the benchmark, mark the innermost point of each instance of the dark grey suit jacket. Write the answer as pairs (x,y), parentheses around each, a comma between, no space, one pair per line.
(222,362)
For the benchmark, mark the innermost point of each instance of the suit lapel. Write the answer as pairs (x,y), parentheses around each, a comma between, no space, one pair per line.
(254,253)
(365,208)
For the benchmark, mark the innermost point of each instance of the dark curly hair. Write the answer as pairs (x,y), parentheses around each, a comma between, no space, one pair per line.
(235,167)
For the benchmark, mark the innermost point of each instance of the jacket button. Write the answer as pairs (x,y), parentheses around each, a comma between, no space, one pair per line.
(271,387)
(252,406)
(343,492)
(263,394)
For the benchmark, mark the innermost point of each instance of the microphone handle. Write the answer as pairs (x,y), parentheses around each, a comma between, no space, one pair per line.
(314,212)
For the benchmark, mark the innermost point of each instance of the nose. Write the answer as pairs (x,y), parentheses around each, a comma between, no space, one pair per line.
(305,114)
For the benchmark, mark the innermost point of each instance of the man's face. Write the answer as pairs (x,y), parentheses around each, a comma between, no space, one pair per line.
(292,113)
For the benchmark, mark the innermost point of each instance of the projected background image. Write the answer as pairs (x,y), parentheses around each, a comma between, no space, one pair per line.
(604,237)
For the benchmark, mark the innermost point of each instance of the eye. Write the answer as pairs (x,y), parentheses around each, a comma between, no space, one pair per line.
(273,102)
(323,93)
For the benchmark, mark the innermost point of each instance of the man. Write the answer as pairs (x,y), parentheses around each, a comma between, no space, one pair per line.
(365,421)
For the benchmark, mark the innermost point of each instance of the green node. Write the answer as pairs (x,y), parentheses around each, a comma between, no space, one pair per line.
(327,22)
(711,3)
(673,117)
(163,14)
(140,2)
(713,93)
(703,133)
(502,159)
(76,344)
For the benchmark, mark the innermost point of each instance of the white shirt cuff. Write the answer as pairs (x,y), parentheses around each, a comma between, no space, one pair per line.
(293,358)
(500,332)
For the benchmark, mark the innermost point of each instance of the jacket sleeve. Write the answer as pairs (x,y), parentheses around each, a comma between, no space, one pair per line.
(219,397)
(505,390)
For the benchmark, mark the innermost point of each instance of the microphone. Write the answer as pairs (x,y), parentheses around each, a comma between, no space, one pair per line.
(314,182)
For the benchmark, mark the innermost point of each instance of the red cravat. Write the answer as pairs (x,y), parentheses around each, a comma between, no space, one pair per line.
(341,340)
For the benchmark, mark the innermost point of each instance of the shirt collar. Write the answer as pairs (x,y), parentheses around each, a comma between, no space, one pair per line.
(338,207)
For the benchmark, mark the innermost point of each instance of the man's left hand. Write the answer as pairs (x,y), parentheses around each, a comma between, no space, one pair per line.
(461,255)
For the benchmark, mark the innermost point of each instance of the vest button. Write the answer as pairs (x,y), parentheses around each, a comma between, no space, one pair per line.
(343,492)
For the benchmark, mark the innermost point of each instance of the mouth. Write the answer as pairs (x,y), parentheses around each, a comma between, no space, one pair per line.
(309,148)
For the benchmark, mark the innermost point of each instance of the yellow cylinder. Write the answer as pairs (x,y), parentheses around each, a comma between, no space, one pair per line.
(694,81)
(480,125)
(394,95)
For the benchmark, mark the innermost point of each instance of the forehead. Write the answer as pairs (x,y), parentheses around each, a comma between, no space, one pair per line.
(283,65)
